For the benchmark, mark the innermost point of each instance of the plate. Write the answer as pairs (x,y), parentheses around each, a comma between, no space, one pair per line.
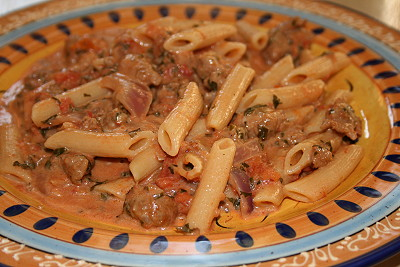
(358,223)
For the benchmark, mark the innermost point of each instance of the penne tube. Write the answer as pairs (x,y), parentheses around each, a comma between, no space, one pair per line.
(284,97)
(322,181)
(275,74)
(257,38)
(190,166)
(10,154)
(230,51)
(300,156)
(270,193)
(199,37)
(229,97)
(118,188)
(180,120)
(144,164)
(79,96)
(115,145)
(299,115)
(212,184)
(322,67)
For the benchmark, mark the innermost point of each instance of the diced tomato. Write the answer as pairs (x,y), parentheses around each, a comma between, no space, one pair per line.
(65,104)
(183,199)
(177,70)
(67,79)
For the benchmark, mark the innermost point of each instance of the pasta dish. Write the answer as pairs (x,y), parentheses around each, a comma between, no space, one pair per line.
(171,123)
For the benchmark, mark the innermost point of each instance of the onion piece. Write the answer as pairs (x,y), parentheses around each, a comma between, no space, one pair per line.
(242,185)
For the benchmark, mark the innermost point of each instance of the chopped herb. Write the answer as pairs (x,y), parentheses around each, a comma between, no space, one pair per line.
(47,165)
(208,135)
(245,194)
(286,142)
(251,181)
(43,131)
(146,188)
(29,164)
(281,180)
(49,119)
(235,202)
(213,85)
(134,132)
(184,229)
(244,164)
(262,132)
(262,145)
(58,151)
(329,144)
(276,101)
(103,196)
(171,170)
(126,174)
(331,111)
(348,140)
(87,95)
(250,110)
(157,114)
(182,190)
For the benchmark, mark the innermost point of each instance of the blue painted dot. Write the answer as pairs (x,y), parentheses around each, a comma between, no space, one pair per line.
(396,124)
(348,206)
(264,18)
(356,51)
(386,176)
(63,28)
(139,13)
(393,158)
(203,244)
(318,30)
(88,21)
(114,16)
(2,192)
(164,11)
(214,12)
(385,75)
(19,48)
(159,244)
(45,223)
(15,210)
(4,60)
(392,90)
(368,191)
(317,218)
(373,62)
(285,230)
(337,41)
(39,37)
(240,14)
(190,11)
(82,235)
(396,141)
(119,241)
(395,105)
(243,239)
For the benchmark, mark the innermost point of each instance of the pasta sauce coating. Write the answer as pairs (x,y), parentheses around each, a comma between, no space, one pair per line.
(168,124)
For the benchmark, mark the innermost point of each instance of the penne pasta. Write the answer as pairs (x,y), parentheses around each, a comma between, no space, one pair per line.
(199,37)
(180,120)
(81,95)
(257,38)
(325,179)
(144,164)
(230,51)
(270,193)
(116,145)
(190,167)
(284,97)
(212,183)
(118,188)
(229,97)
(275,74)
(320,68)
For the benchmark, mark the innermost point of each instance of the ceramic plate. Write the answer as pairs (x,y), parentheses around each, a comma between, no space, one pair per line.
(357,223)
